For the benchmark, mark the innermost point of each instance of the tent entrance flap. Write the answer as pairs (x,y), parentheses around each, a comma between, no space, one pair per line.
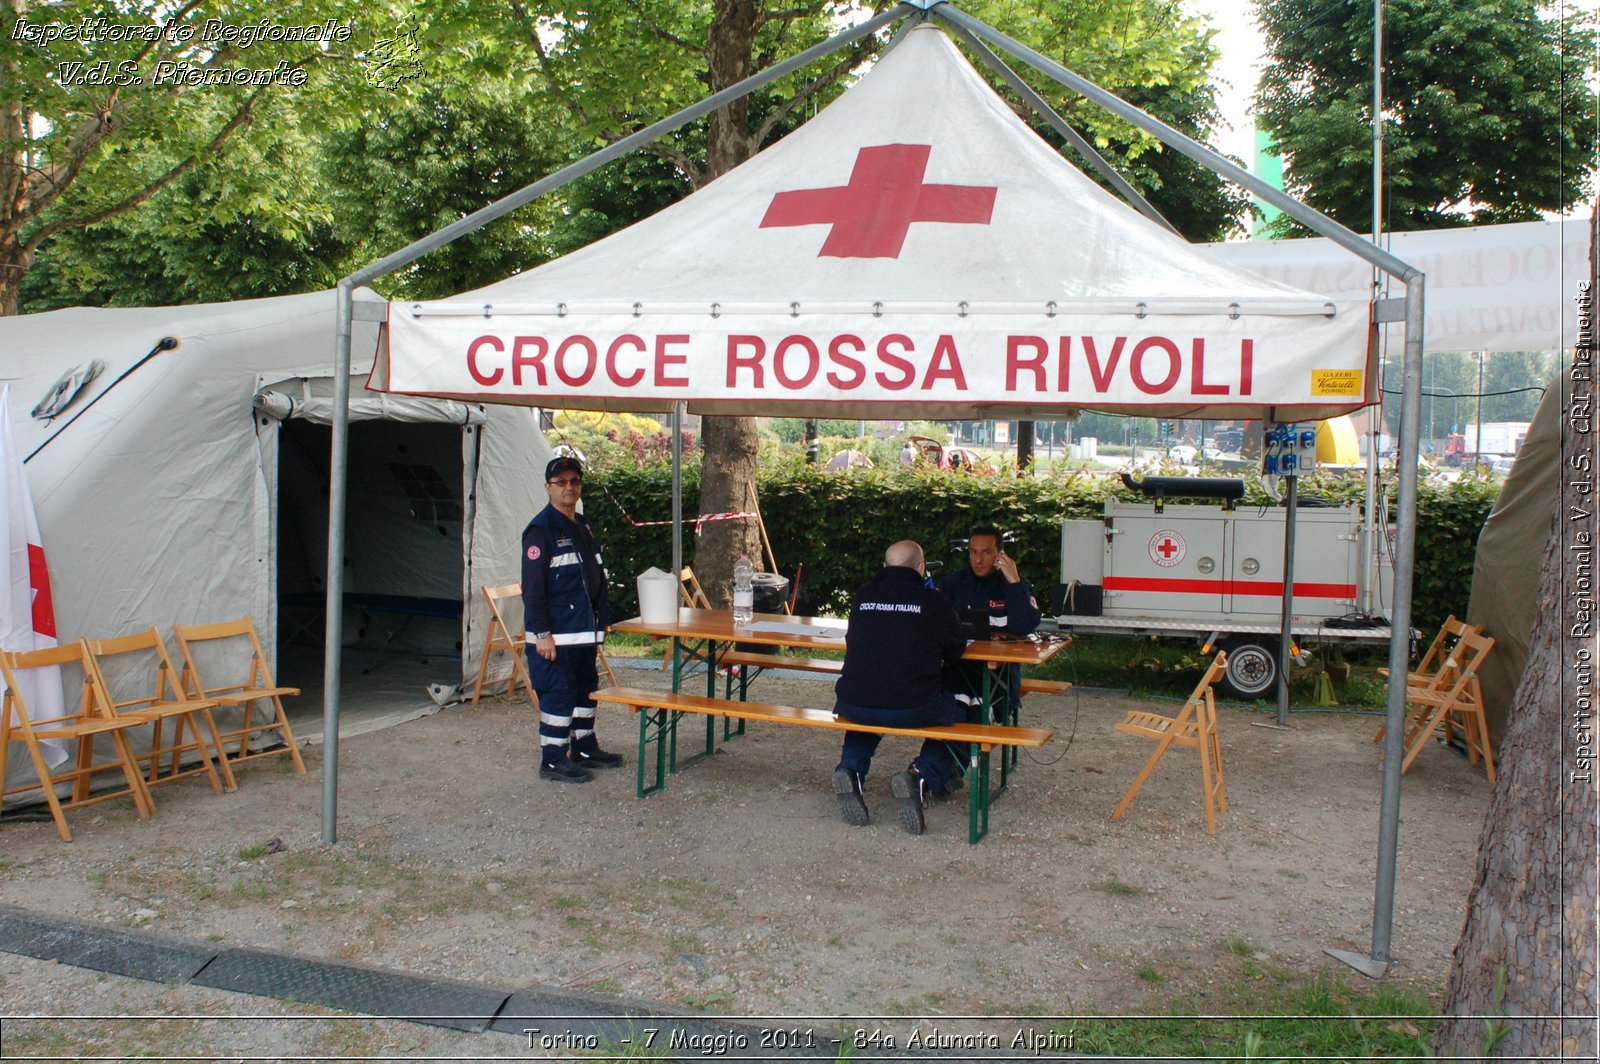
(403,559)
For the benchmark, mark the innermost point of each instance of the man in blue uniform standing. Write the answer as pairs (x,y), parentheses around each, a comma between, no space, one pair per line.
(990,585)
(902,634)
(565,609)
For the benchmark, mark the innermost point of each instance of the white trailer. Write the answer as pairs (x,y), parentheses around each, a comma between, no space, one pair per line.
(1496,437)
(1215,573)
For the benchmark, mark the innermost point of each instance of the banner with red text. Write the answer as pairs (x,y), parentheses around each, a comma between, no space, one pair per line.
(914,250)
(856,365)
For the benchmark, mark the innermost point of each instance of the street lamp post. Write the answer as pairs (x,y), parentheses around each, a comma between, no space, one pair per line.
(1478,447)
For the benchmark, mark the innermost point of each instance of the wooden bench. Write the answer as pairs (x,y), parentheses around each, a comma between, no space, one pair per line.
(662,709)
(780,661)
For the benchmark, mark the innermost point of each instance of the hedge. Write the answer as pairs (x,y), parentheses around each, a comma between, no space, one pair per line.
(838,524)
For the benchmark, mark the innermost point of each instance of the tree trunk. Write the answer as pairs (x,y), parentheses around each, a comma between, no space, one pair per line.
(14,265)
(728,475)
(727,484)
(1527,952)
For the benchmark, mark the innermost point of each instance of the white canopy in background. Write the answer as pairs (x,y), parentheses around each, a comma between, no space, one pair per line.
(1490,288)
(914,248)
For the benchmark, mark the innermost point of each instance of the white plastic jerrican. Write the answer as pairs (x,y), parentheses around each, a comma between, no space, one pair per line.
(658,597)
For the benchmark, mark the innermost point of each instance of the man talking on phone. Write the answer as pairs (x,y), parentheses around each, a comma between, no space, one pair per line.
(990,586)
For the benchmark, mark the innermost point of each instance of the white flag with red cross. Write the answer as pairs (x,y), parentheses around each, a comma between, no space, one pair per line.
(27,614)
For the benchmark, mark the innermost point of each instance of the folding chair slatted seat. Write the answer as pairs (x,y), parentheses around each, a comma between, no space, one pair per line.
(82,725)
(501,639)
(132,657)
(230,639)
(1433,660)
(1194,727)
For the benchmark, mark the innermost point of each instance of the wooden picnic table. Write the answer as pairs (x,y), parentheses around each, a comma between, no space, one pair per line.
(711,629)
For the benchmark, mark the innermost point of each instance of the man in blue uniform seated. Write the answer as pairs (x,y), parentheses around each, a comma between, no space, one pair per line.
(902,634)
(566,610)
(991,587)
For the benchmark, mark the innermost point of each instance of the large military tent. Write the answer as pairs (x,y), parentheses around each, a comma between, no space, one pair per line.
(186,480)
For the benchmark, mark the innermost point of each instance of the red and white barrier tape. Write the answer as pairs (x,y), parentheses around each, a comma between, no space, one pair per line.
(699,521)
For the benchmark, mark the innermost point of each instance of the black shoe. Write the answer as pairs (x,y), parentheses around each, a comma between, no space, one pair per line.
(909,787)
(949,789)
(564,771)
(598,758)
(847,791)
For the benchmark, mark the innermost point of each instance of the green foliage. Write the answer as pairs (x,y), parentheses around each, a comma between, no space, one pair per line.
(79,151)
(1449,518)
(319,179)
(839,524)
(1488,116)
(1270,1013)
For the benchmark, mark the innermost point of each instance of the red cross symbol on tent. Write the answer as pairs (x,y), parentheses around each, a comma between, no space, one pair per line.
(872,214)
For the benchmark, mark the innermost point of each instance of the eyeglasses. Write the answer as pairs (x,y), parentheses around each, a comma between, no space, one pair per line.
(567,482)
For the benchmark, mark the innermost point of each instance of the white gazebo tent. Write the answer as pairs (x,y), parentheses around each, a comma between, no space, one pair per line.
(913,249)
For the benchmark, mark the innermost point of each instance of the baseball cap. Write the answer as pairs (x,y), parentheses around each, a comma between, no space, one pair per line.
(557,466)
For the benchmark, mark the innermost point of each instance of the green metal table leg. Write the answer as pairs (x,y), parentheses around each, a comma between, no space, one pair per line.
(661,721)
(977,794)
(991,717)
(730,728)
(711,692)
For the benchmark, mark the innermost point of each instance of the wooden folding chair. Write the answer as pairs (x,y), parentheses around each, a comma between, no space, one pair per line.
(1195,727)
(1451,696)
(80,724)
(692,595)
(1433,660)
(131,658)
(224,646)
(501,639)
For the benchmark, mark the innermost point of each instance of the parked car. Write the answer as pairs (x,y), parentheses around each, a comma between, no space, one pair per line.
(959,459)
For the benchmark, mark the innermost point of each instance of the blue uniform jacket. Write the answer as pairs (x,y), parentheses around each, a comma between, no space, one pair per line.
(1012,610)
(1012,607)
(901,634)
(561,562)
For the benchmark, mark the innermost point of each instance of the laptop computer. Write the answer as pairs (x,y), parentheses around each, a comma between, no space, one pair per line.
(974,623)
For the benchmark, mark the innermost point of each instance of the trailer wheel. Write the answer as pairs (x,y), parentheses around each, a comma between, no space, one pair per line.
(1252,670)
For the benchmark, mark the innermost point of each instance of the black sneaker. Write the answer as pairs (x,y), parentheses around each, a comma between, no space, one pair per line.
(847,792)
(909,788)
(949,789)
(564,771)
(598,758)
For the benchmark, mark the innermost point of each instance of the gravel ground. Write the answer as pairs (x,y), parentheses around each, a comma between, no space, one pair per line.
(738,890)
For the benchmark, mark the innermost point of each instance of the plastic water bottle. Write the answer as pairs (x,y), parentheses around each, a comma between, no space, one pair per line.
(744,592)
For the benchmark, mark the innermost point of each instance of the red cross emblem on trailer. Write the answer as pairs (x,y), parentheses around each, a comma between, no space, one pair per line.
(869,217)
(1167,548)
